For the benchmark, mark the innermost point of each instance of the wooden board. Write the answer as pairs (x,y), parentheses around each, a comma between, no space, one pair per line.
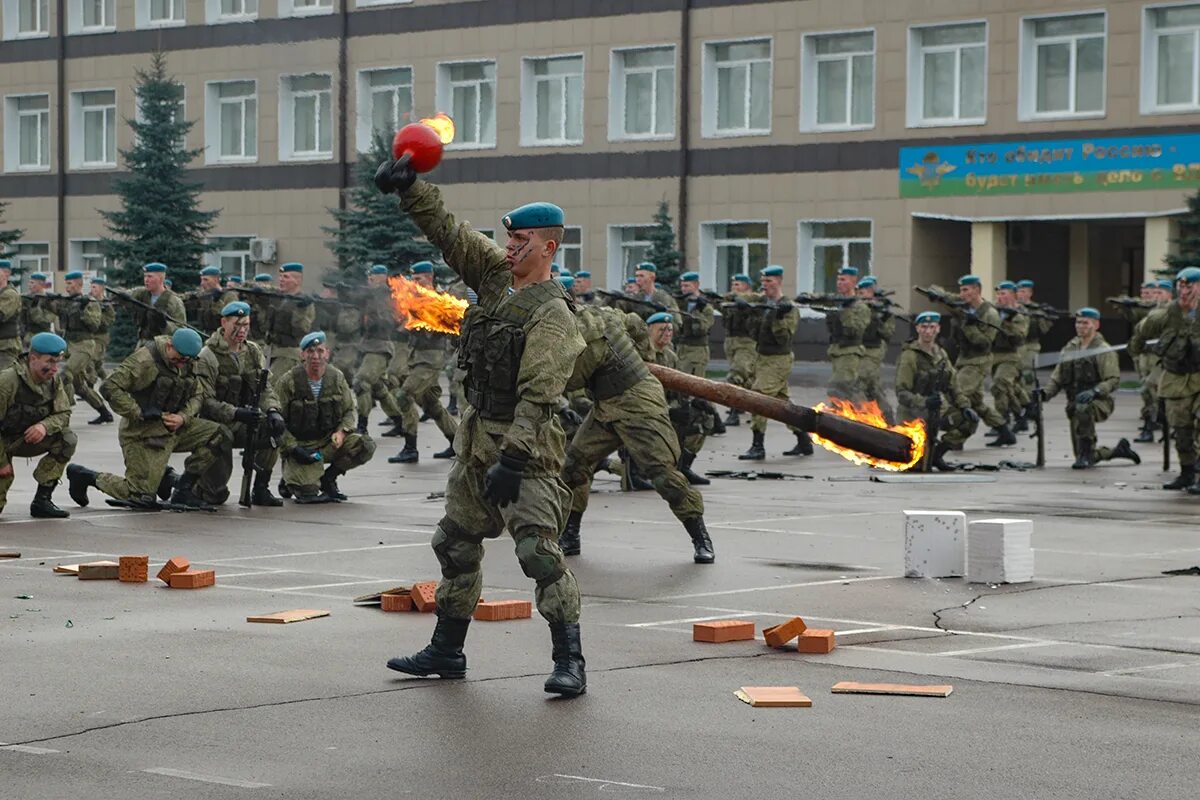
(10,554)
(67,569)
(773,697)
(284,617)
(377,597)
(850,687)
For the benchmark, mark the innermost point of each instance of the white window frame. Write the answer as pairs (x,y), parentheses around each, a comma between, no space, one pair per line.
(616,94)
(565,248)
(806,272)
(79,260)
(809,94)
(142,18)
(77,130)
(287,151)
(369,3)
(12,134)
(1149,89)
(365,110)
(616,261)
(213,257)
(916,75)
(1027,102)
(75,25)
(27,264)
(11,22)
(709,94)
(212,122)
(709,244)
(298,8)
(529,102)
(213,14)
(445,98)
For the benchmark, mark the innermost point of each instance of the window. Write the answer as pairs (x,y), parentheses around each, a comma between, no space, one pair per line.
(570,252)
(826,247)
(27,133)
(627,247)
(231,124)
(86,256)
(468,90)
(488,232)
(303,8)
(94,129)
(947,75)
(31,257)
(1062,66)
(839,81)
(91,16)
(306,118)
(727,248)
(231,10)
(737,88)
(26,19)
(642,94)
(552,101)
(159,13)
(1171,69)
(232,255)
(385,103)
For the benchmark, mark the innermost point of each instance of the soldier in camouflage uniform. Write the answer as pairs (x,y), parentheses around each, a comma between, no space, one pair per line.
(290,319)
(773,361)
(1007,393)
(319,409)
(1089,383)
(81,319)
(371,383)
(260,307)
(691,417)
(205,303)
(1156,293)
(1028,352)
(154,292)
(875,341)
(343,326)
(847,326)
(233,367)
(10,317)
(741,334)
(925,389)
(157,391)
(519,345)
(693,349)
(977,326)
(37,315)
(108,317)
(455,375)
(35,420)
(584,296)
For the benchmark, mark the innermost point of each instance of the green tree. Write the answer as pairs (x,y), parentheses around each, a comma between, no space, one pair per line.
(1188,242)
(372,229)
(662,250)
(7,237)
(160,217)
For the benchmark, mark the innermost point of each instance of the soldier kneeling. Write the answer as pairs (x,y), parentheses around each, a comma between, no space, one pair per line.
(35,419)
(320,413)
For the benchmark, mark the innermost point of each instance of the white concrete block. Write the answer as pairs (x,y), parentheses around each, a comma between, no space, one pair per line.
(1000,551)
(934,544)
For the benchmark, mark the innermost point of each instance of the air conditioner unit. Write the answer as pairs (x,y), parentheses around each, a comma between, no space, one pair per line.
(262,251)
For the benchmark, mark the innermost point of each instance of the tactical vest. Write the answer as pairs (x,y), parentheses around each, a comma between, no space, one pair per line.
(967,348)
(622,367)
(1005,342)
(738,321)
(690,332)
(772,342)
(1078,373)
(1180,342)
(932,375)
(237,379)
(379,320)
(208,309)
(491,346)
(310,418)
(283,327)
(426,340)
(71,317)
(28,407)
(837,330)
(11,328)
(171,391)
(873,336)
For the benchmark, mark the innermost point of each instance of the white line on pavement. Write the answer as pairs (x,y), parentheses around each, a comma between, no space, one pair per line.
(25,748)
(292,594)
(770,588)
(1151,668)
(221,561)
(192,776)
(327,585)
(604,783)
(997,648)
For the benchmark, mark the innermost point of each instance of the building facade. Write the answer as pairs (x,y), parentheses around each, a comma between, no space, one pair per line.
(915,139)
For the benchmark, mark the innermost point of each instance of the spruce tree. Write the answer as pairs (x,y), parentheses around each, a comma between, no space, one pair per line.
(372,229)
(7,237)
(160,217)
(662,252)
(1188,241)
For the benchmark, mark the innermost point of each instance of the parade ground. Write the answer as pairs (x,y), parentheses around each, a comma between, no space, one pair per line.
(1084,683)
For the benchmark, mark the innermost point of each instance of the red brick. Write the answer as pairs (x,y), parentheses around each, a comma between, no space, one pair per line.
(779,635)
(816,642)
(135,569)
(176,564)
(723,630)
(396,602)
(503,610)
(424,596)
(193,579)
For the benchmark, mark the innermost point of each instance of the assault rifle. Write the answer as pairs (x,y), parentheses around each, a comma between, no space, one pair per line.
(828,300)
(618,297)
(1130,302)
(958,306)
(1051,311)
(248,453)
(125,297)
(300,299)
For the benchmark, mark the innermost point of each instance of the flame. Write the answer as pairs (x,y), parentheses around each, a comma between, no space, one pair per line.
(443,125)
(869,413)
(425,309)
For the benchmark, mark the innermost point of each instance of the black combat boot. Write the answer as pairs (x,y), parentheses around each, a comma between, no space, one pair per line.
(803,446)
(329,484)
(756,452)
(425,417)
(104,417)
(410,454)
(1004,437)
(718,427)
(1084,455)
(685,466)
(631,479)
(447,453)
(79,480)
(1020,423)
(1125,450)
(568,540)
(452,406)
(568,678)
(260,494)
(183,494)
(1186,477)
(166,484)
(443,656)
(396,430)
(307,496)
(362,424)
(1147,432)
(733,419)
(284,490)
(42,506)
(700,542)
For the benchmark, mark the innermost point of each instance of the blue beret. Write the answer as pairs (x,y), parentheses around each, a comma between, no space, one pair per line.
(567,281)
(928,316)
(1165,284)
(690,276)
(377,269)
(234,278)
(154,266)
(291,266)
(168,282)
(851,271)
(630,280)
(583,273)
(566,273)
(37,276)
(534,215)
(5,264)
(1024,283)
(422,267)
(866,282)
(1149,284)
(1188,274)
(187,342)
(648,266)
(100,279)
(970,280)
(659,316)
(1088,312)
(263,277)
(743,277)
(555,269)
(236,309)
(310,339)
(775,271)
(50,344)
(210,271)
(73,275)
(1007,285)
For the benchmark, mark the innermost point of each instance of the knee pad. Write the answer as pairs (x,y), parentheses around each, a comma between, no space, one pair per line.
(457,555)
(69,442)
(541,559)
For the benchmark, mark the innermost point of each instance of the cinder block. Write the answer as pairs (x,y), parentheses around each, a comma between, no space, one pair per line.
(135,569)
(1000,551)
(176,564)
(935,544)
(396,602)
(100,571)
(719,631)
(193,579)
(816,641)
(424,596)
(503,610)
(779,635)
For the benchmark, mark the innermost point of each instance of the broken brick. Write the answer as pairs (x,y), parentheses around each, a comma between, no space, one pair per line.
(390,601)
(503,610)
(424,596)
(723,630)
(193,579)
(779,635)
(134,569)
(176,564)
(816,642)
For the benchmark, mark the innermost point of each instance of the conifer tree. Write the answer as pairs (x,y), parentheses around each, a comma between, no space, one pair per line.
(1188,242)
(7,237)
(662,252)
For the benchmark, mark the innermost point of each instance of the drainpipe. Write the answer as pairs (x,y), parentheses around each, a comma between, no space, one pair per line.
(60,176)
(685,80)
(343,95)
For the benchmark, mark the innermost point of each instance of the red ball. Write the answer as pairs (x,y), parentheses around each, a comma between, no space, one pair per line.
(420,143)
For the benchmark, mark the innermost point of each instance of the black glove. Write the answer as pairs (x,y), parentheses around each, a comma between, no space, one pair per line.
(304,301)
(783,306)
(934,403)
(701,301)
(741,302)
(395,177)
(659,307)
(151,414)
(275,423)
(302,455)
(1085,397)
(502,484)
(680,415)
(570,417)
(247,414)
(971,415)
(1041,395)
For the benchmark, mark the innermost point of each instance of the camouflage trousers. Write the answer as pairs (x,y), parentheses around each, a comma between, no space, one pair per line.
(82,369)
(953,428)
(421,388)
(146,457)
(345,357)
(968,382)
(55,449)
(372,385)
(1083,418)
(1149,369)
(356,450)
(693,359)
(213,485)
(1183,415)
(1008,394)
(1027,355)
(870,379)
(9,350)
(284,359)
(742,355)
(847,366)
(771,375)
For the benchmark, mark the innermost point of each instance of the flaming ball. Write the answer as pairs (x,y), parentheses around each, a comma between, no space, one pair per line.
(421,144)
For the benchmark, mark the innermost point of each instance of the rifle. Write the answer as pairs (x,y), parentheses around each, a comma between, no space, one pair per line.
(807,299)
(933,421)
(956,305)
(1046,308)
(1166,440)
(624,298)
(1040,431)
(126,297)
(301,299)
(251,434)
(1130,302)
